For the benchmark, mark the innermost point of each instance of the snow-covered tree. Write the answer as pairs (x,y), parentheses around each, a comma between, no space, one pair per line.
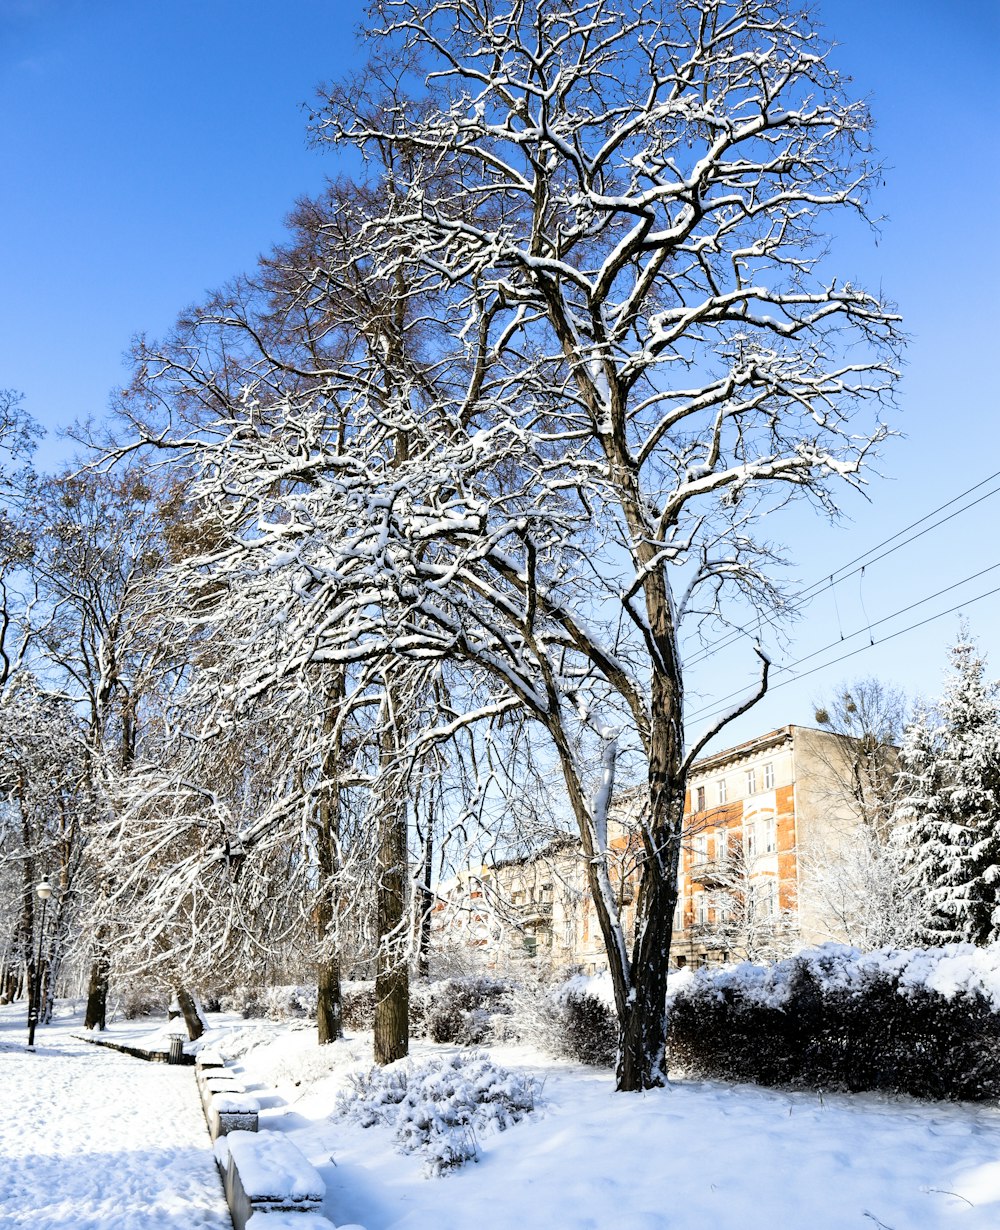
(948,816)
(44,811)
(745,921)
(852,871)
(587,338)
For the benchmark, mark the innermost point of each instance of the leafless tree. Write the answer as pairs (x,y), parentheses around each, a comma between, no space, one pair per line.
(579,337)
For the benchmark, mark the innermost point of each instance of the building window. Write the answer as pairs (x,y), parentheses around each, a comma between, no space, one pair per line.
(722,790)
(750,842)
(769,777)
(700,795)
(530,945)
(770,835)
(700,846)
(751,781)
(767,898)
(722,845)
(701,909)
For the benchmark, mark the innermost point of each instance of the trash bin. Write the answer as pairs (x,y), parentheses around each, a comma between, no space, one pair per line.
(176,1054)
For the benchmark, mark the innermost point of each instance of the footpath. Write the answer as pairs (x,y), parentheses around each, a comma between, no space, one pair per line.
(91,1139)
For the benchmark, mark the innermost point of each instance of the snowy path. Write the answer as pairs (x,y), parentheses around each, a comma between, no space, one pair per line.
(94,1140)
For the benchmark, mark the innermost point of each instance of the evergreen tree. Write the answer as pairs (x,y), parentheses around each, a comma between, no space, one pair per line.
(949,812)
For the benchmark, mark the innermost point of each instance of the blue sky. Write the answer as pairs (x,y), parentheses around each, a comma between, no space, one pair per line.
(151,151)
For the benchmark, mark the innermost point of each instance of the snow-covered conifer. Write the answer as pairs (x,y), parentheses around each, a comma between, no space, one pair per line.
(949,810)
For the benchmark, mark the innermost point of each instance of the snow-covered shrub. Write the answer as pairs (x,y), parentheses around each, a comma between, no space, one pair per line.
(137,1001)
(373,1096)
(462,1011)
(441,1105)
(249,1002)
(286,1002)
(279,1003)
(358,1004)
(574,1019)
(585,1027)
(923,1022)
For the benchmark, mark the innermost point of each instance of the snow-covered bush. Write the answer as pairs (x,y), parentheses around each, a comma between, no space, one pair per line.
(576,1020)
(923,1022)
(358,1004)
(441,1105)
(462,1011)
(275,1003)
(137,1001)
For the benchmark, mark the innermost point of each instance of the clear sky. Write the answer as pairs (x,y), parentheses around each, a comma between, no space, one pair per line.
(150,151)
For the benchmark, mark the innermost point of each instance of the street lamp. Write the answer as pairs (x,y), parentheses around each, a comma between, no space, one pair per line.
(44,891)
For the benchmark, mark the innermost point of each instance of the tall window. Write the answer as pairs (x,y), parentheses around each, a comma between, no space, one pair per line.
(770,835)
(721,845)
(769,777)
(700,847)
(701,909)
(767,898)
(700,795)
(750,842)
(722,790)
(751,781)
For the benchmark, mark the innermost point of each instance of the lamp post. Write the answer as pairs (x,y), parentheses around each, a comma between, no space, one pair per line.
(44,891)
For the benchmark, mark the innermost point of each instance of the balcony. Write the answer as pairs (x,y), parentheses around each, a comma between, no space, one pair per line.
(713,872)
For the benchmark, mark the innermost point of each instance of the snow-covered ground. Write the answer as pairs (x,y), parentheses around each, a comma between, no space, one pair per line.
(696,1156)
(91,1134)
(94,1140)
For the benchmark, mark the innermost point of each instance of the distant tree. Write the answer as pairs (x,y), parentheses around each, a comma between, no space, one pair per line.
(854,872)
(948,815)
(18,435)
(870,717)
(746,922)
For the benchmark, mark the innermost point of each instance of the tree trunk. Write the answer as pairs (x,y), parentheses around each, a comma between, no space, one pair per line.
(189,1009)
(426,902)
(329,1004)
(97,994)
(392,982)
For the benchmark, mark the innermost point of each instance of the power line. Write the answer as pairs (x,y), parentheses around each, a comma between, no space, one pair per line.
(720,706)
(850,568)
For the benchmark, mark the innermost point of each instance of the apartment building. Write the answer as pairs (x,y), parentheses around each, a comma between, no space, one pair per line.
(755,815)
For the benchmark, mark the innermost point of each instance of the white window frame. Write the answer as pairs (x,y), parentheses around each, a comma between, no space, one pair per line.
(751,779)
(722,790)
(769,776)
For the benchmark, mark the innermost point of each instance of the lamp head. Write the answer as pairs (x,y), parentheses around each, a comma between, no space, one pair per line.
(44,890)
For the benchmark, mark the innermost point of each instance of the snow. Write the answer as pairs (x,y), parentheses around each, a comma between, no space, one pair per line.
(695,1155)
(98,1141)
(952,969)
